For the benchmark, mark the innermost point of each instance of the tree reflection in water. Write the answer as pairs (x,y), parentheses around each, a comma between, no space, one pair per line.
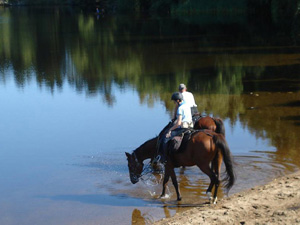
(221,62)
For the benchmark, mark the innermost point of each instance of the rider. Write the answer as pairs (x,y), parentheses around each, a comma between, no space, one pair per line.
(183,114)
(184,120)
(188,97)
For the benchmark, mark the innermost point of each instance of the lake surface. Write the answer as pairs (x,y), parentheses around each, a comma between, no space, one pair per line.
(77,91)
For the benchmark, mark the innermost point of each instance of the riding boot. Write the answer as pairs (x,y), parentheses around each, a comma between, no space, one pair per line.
(163,151)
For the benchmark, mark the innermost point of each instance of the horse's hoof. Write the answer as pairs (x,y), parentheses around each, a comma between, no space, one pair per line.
(179,199)
(210,198)
(163,196)
(215,201)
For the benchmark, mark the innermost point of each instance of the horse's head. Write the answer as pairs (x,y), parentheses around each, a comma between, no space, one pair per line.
(135,167)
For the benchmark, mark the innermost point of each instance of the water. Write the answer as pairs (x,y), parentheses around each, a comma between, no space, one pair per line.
(77,92)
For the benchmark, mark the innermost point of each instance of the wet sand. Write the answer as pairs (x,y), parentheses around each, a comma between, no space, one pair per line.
(277,202)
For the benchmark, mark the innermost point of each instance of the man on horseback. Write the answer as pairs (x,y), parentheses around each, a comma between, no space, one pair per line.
(188,97)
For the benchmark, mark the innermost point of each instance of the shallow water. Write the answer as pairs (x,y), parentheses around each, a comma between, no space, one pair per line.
(77,91)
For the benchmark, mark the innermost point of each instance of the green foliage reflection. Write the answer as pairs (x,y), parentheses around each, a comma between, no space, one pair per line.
(219,63)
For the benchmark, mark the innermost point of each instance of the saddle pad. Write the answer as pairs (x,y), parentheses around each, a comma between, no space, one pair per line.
(174,144)
(178,143)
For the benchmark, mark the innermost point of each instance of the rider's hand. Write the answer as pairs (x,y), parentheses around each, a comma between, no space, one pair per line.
(168,134)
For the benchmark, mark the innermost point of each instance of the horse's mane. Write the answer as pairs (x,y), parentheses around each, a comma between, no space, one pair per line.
(157,136)
(139,150)
(144,151)
(146,142)
(163,131)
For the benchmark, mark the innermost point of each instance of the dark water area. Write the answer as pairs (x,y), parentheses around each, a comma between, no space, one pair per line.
(77,91)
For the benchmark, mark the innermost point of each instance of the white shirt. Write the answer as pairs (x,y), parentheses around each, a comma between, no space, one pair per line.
(188,97)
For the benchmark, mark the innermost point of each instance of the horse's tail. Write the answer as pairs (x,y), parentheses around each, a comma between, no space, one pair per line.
(229,178)
(220,126)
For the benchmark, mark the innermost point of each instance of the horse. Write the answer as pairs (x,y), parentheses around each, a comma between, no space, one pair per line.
(214,124)
(204,147)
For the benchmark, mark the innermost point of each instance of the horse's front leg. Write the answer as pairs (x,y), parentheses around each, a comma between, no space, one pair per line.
(166,179)
(175,183)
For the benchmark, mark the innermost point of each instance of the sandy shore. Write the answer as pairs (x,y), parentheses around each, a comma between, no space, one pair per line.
(277,202)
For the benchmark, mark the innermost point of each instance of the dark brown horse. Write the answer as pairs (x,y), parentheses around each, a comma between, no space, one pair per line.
(203,148)
(214,124)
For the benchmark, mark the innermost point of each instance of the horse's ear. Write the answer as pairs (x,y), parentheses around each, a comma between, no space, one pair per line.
(127,154)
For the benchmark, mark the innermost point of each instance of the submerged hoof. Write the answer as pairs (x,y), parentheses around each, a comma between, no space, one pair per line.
(162,197)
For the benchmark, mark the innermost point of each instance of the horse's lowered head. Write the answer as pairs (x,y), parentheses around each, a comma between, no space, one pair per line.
(135,167)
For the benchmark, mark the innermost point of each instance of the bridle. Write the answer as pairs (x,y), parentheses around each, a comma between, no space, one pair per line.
(133,172)
(146,169)
(135,158)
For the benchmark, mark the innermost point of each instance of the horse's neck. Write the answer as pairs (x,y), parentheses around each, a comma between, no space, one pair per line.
(165,129)
(147,150)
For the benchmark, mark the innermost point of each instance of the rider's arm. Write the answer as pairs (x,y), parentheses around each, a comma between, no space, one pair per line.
(177,124)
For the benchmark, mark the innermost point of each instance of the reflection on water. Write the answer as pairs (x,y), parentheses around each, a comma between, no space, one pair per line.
(74,85)
(138,218)
(54,46)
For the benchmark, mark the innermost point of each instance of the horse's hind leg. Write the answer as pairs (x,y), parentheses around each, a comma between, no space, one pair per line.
(210,187)
(213,179)
(216,164)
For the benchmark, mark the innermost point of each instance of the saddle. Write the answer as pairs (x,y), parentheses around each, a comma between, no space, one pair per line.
(196,117)
(178,143)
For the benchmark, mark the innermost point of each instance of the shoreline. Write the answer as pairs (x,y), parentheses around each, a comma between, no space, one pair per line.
(277,202)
